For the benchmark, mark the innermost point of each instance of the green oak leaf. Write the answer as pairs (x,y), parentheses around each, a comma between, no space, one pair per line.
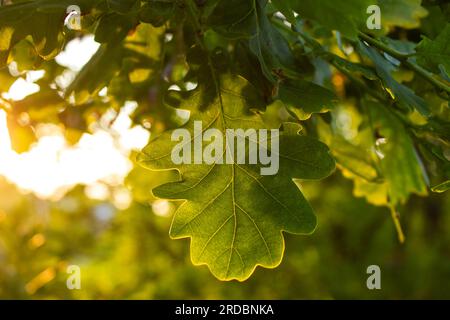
(349,157)
(89,81)
(114,27)
(355,68)
(139,51)
(305,98)
(345,16)
(248,19)
(271,48)
(401,93)
(385,171)
(42,20)
(400,164)
(233,18)
(402,13)
(234,216)
(435,54)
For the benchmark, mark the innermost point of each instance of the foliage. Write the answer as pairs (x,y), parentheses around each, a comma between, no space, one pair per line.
(378,99)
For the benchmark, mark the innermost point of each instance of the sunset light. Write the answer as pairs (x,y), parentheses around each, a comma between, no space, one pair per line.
(51,167)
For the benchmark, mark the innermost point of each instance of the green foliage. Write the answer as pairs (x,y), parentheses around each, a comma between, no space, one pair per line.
(346,17)
(233,215)
(305,98)
(433,54)
(404,95)
(379,99)
(403,13)
(130,257)
(40,20)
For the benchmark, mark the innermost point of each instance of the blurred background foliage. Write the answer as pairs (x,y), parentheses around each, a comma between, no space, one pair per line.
(388,130)
(127,253)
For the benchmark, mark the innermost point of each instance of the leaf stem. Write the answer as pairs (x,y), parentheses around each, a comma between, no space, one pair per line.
(396,218)
(380,45)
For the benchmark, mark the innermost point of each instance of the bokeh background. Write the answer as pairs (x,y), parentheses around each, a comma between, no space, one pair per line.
(128,254)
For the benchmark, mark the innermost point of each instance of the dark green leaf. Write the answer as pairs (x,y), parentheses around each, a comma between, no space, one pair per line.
(435,54)
(305,98)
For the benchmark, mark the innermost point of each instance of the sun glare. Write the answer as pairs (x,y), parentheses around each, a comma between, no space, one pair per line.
(51,167)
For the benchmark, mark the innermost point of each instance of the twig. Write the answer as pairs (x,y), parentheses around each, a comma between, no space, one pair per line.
(398,226)
(404,58)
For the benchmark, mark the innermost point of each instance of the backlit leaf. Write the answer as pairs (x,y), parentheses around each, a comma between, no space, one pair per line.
(233,215)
